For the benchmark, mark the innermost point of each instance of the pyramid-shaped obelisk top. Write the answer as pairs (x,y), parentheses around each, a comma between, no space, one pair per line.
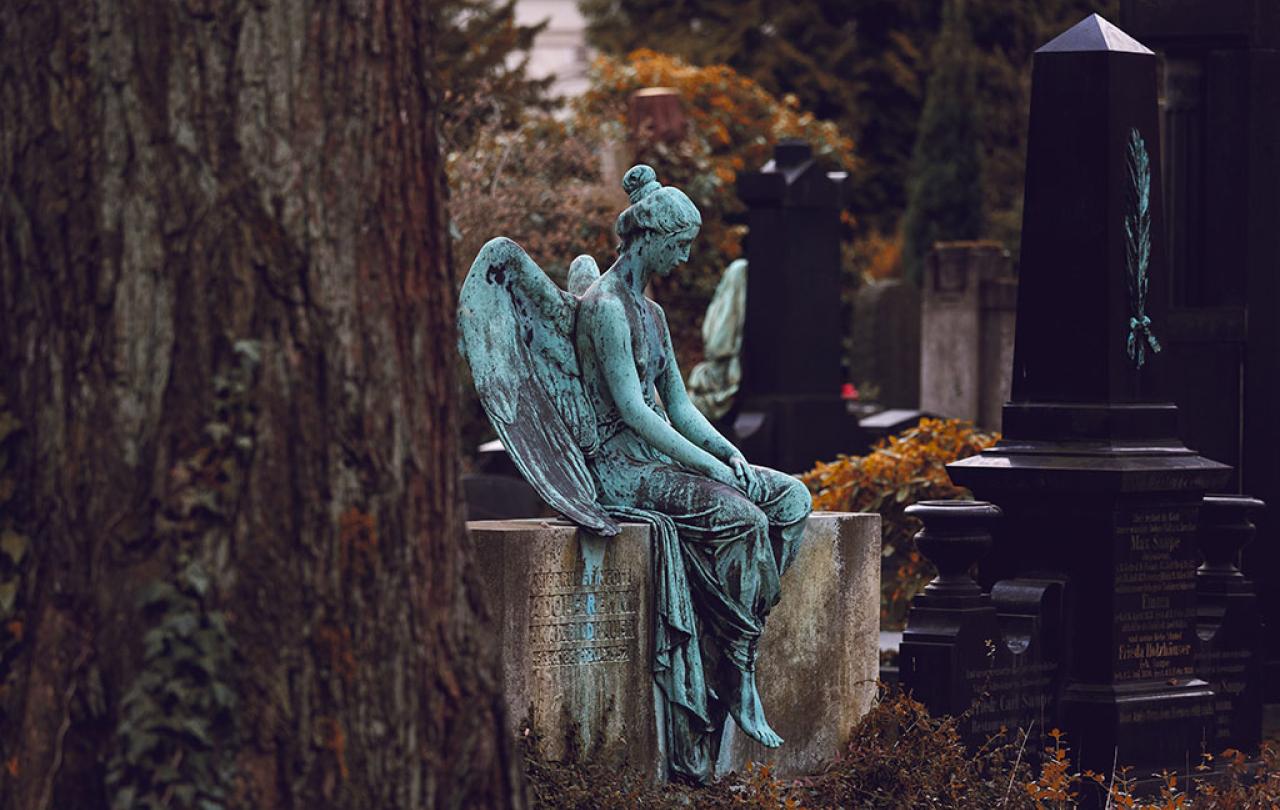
(1093,287)
(1093,34)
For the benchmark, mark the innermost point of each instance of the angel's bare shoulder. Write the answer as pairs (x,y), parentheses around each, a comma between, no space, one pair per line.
(600,302)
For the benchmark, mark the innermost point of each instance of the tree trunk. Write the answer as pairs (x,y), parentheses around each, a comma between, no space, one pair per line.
(226,330)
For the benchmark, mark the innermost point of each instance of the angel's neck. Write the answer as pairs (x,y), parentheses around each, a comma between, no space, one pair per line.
(632,273)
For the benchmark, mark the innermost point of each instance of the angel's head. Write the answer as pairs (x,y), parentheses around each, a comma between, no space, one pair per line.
(660,223)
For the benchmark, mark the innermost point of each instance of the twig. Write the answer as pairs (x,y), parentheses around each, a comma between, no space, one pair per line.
(502,162)
(1017,761)
(1115,759)
(46,795)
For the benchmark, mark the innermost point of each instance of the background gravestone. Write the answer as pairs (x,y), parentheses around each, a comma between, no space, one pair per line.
(1095,485)
(967,326)
(884,355)
(792,413)
(1220,108)
(1228,628)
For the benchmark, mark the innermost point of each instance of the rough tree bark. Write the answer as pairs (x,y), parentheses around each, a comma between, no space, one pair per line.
(226,329)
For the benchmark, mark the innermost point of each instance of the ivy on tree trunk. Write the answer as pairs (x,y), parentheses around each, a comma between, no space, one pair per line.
(226,334)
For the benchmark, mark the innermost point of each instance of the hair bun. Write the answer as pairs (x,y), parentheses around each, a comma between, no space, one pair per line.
(639,182)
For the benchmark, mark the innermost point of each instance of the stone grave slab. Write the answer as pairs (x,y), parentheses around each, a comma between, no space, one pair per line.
(574,616)
(573,613)
(820,653)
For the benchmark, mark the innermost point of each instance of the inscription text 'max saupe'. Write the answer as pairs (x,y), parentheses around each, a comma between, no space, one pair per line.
(1155,594)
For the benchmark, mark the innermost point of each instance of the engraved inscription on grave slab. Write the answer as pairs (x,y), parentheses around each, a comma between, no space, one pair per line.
(1227,671)
(1010,697)
(1155,581)
(579,619)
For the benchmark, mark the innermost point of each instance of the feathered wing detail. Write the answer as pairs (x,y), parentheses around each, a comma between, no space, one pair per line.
(516,332)
(582,274)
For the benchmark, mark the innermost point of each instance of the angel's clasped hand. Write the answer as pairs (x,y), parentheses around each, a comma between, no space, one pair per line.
(747,479)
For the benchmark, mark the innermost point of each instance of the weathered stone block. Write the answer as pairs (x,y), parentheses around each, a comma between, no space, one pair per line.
(574,613)
(967,331)
(820,654)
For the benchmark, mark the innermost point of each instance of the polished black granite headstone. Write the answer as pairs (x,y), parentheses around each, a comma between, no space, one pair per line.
(1228,627)
(792,413)
(1220,127)
(991,660)
(1096,487)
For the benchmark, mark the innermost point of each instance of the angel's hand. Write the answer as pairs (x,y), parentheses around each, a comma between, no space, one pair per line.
(748,480)
(722,473)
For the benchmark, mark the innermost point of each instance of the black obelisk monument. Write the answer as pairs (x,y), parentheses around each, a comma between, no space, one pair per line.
(1095,485)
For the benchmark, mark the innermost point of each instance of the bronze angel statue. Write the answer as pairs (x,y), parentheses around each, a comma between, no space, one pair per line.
(582,387)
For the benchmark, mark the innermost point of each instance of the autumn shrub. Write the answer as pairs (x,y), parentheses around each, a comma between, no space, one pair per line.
(878,256)
(899,471)
(899,756)
(733,125)
(538,183)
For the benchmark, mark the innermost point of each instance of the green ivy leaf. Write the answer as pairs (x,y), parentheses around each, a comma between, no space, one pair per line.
(8,597)
(13,545)
(8,425)
(250,350)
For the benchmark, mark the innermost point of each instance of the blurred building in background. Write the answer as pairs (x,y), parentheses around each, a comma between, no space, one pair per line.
(561,49)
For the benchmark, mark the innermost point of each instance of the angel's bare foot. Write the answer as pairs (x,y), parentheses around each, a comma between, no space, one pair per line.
(746,709)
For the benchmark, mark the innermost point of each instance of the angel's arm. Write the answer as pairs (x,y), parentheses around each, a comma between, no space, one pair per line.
(685,416)
(694,426)
(611,338)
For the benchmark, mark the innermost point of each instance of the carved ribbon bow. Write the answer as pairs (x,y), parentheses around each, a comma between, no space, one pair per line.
(1140,328)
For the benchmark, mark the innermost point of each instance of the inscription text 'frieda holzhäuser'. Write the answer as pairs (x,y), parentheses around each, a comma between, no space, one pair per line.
(577,620)
(1155,593)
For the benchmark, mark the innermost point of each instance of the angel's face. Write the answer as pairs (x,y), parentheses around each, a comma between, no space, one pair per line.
(670,250)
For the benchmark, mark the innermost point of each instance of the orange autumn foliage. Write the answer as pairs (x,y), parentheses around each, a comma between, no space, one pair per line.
(733,124)
(899,471)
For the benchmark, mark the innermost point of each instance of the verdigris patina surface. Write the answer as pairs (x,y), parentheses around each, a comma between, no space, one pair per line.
(583,388)
(714,382)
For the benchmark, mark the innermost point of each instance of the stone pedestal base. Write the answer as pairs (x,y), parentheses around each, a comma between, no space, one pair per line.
(820,653)
(574,613)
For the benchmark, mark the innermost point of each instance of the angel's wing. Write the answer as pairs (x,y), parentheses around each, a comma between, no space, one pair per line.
(517,335)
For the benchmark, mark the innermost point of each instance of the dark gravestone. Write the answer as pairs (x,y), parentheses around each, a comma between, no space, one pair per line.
(1220,128)
(884,358)
(888,423)
(497,491)
(792,413)
(991,659)
(500,497)
(1096,487)
(1228,628)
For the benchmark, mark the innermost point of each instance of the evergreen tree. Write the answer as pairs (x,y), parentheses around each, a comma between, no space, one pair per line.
(946,201)
(481,80)
(856,62)
(862,64)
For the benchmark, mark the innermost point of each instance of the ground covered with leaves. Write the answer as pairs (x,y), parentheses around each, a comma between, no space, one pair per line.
(900,757)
